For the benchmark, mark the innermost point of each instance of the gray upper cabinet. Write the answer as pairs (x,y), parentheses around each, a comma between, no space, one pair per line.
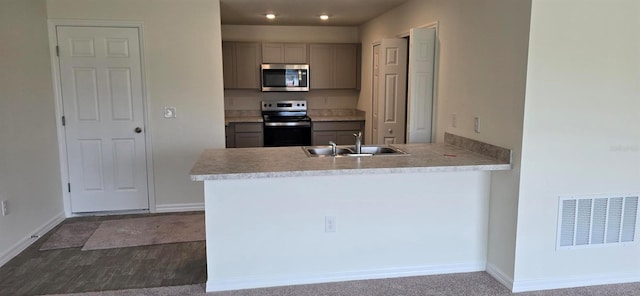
(346,66)
(284,53)
(334,66)
(321,66)
(241,64)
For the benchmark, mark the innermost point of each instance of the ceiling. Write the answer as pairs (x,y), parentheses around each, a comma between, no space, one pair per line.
(303,12)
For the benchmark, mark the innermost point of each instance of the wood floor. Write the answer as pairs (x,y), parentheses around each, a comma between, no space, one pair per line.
(35,272)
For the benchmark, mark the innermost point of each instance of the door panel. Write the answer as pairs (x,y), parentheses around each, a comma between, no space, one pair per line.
(421,84)
(85,89)
(392,91)
(120,94)
(101,82)
(390,98)
(92,168)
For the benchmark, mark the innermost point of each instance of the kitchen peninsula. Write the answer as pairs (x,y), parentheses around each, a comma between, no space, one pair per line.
(275,216)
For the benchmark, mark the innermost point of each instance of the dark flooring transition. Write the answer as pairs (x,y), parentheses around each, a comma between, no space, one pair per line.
(61,271)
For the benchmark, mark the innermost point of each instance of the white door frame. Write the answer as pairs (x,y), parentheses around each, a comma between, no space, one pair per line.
(62,143)
(370,136)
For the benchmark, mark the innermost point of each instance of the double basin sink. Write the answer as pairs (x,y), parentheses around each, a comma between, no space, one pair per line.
(346,151)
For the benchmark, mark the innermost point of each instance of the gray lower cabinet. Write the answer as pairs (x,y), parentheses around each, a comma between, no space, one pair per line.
(340,132)
(243,135)
(230,135)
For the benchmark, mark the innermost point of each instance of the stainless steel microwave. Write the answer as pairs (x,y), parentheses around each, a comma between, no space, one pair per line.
(284,77)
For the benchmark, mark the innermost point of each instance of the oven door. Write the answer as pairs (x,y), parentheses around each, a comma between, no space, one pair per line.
(287,134)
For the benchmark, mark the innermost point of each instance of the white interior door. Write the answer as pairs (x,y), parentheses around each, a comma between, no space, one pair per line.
(421,79)
(102,96)
(392,91)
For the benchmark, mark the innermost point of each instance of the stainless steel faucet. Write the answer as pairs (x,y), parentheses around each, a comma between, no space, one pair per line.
(334,148)
(358,142)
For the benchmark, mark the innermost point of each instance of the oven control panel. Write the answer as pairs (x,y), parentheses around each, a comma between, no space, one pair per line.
(297,105)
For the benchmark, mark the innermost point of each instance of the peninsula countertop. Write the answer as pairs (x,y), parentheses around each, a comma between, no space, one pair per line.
(251,163)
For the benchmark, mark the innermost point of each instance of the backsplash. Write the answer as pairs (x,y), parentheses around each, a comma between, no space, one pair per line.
(316,99)
(499,153)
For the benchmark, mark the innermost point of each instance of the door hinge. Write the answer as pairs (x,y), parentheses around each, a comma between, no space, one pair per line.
(64,121)
(69,186)
(57,50)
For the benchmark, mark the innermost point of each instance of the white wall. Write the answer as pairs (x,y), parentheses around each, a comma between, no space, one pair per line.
(268,232)
(183,64)
(581,135)
(29,166)
(482,68)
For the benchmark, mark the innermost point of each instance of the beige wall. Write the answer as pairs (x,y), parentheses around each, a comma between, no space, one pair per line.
(29,165)
(482,67)
(581,135)
(183,64)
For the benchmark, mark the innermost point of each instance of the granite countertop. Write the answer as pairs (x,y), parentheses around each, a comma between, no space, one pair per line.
(249,116)
(249,163)
(233,116)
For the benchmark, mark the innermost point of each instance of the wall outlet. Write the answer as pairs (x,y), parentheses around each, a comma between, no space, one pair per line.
(169,112)
(476,124)
(454,120)
(329,224)
(5,208)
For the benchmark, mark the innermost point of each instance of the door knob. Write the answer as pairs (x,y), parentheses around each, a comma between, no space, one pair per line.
(137,130)
(390,131)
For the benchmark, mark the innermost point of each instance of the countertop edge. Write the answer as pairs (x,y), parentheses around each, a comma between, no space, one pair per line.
(338,172)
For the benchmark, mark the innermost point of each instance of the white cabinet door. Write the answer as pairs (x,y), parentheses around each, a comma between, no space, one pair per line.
(101,82)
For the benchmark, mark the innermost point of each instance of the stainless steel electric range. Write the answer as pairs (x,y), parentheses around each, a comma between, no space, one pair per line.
(286,123)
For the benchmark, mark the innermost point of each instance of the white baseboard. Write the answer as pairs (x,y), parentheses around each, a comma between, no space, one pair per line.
(500,276)
(24,243)
(185,207)
(573,282)
(214,285)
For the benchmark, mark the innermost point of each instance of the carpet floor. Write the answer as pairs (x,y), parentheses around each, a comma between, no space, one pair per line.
(462,284)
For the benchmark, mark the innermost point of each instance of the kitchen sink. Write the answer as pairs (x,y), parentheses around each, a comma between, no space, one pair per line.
(350,151)
(318,151)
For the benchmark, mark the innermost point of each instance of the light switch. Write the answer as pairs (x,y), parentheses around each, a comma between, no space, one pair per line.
(169,112)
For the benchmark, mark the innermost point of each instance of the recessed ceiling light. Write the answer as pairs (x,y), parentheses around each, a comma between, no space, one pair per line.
(271,16)
(324,17)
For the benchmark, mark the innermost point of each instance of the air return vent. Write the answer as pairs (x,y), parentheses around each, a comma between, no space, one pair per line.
(597,221)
